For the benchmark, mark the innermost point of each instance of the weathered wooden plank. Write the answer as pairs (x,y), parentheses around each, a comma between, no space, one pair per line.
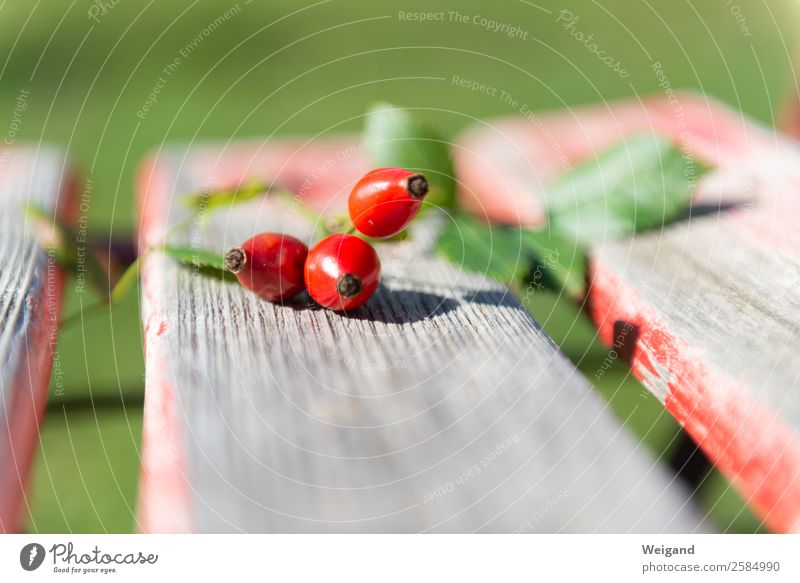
(717,315)
(504,164)
(711,303)
(30,301)
(439,406)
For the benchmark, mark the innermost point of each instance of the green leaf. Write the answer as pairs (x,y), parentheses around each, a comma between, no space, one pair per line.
(77,258)
(558,264)
(497,252)
(645,182)
(208,201)
(398,137)
(521,258)
(202,261)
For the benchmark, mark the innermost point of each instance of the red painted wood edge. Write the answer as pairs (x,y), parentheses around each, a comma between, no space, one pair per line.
(488,155)
(31,382)
(163,504)
(747,441)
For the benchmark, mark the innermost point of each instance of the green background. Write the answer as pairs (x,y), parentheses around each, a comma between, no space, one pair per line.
(281,67)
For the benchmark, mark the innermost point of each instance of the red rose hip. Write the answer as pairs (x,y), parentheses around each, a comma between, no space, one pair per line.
(386,200)
(269,264)
(342,272)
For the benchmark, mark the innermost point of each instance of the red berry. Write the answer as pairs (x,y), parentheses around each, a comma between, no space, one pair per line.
(342,272)
(385,200)
(269,264)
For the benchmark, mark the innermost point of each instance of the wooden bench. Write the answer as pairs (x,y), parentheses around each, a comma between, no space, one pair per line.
(712,301)
(440,406)
(30,302)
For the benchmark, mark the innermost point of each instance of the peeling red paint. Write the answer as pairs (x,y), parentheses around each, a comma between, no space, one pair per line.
(749,442)
(163,504)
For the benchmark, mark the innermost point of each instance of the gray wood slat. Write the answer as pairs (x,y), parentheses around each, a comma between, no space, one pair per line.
(29,291)
(725,289)
(440,406)
(711,302)
(730,294)
(715,300)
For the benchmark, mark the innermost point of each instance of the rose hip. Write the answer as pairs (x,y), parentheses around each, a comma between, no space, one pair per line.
(269,264)
(342,272)
(386,200)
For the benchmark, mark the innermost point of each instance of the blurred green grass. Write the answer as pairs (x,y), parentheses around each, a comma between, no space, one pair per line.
(284,67)
(87,472)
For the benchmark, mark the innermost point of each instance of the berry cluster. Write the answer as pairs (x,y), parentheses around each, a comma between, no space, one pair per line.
(341,271)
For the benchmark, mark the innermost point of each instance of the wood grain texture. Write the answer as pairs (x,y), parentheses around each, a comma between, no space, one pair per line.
(30,302)
(717,317)
(711,302)
(441,406)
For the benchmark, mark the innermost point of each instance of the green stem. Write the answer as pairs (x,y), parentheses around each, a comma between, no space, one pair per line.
(127,279)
